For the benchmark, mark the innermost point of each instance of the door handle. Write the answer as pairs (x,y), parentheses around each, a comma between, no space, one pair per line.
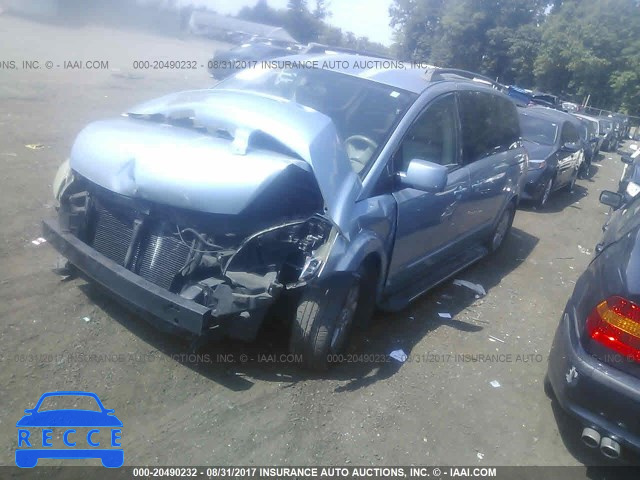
(460,190)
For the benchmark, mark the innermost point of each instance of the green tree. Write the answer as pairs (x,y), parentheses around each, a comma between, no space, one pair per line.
(592,47)
(417,26)
(493,37)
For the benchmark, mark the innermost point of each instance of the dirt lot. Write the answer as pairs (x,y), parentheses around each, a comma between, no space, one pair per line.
(433,409)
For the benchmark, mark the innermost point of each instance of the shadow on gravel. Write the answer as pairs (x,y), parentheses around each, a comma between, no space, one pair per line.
(593,171)
(236,365)
(403,330)
(559,200)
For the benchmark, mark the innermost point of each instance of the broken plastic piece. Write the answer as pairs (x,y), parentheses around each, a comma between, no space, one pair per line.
(494,383)
(476,287)
(444,315)
(399,355)
(86,319)
(34,146)
(38,241)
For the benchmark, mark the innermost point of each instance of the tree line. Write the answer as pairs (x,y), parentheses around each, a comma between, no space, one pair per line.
(572,48)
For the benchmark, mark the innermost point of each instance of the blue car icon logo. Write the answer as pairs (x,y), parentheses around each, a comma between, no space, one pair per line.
(101,439)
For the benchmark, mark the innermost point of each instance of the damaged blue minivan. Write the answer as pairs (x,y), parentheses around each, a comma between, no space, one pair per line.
(330,190)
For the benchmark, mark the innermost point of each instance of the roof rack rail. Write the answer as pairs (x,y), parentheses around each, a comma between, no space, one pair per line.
(434,74)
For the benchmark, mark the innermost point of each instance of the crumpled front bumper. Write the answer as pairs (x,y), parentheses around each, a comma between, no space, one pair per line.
(534,184)
(173,310)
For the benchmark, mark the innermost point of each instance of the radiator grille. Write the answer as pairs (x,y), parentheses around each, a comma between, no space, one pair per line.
(113,234)
(159,256)
(162,258)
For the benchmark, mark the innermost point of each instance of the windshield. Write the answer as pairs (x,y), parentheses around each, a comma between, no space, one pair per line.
(364,113)
(538,130)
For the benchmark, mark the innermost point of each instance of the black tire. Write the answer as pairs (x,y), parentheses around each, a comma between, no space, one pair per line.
(571,185)
(546,193)
(325,318)
(503,227)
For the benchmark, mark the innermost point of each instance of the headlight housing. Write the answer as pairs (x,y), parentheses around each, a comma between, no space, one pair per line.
(63,178)
(633,189)
(537,164)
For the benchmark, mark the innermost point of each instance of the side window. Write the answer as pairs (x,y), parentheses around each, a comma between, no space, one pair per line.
(509,130)
(569,133)
(432,136)
(490,125)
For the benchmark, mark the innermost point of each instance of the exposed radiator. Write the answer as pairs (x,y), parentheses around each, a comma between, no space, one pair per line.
(159,256)
(113,234)
(161,259)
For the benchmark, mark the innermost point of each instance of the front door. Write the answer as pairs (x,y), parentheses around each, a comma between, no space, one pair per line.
(427,222)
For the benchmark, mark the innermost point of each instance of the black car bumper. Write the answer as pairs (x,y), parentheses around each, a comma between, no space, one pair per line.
(534,184)
(601,397)
(173,310)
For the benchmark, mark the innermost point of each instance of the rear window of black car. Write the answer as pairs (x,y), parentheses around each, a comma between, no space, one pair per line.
(538,130)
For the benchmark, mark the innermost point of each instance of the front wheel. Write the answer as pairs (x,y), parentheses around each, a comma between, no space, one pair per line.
(325,318)
(542,201)
(572,184)
(503,227)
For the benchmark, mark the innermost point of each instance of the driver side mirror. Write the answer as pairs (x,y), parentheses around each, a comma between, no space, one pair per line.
(611,199)
(626,159)
(424,175)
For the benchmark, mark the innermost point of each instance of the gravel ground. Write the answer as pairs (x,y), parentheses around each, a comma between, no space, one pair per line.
(437,408)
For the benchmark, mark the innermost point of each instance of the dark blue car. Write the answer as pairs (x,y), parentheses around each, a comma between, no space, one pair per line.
(555,153)
(30,448)
(594,364)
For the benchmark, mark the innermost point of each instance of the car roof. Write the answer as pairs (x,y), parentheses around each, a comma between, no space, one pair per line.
(586,117)
(394,73)
(551,114)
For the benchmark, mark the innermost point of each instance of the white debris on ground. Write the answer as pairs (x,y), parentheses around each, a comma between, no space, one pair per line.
(399,355)
(476,287)
(34,146)
(39,241)
(586,251)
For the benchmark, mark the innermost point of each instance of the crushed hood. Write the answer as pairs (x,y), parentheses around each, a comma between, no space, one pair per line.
(212,164)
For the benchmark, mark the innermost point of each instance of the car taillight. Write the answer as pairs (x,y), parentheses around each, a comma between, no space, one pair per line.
(615,323)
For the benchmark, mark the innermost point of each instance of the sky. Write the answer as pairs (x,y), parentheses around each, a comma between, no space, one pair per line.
(365,18)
